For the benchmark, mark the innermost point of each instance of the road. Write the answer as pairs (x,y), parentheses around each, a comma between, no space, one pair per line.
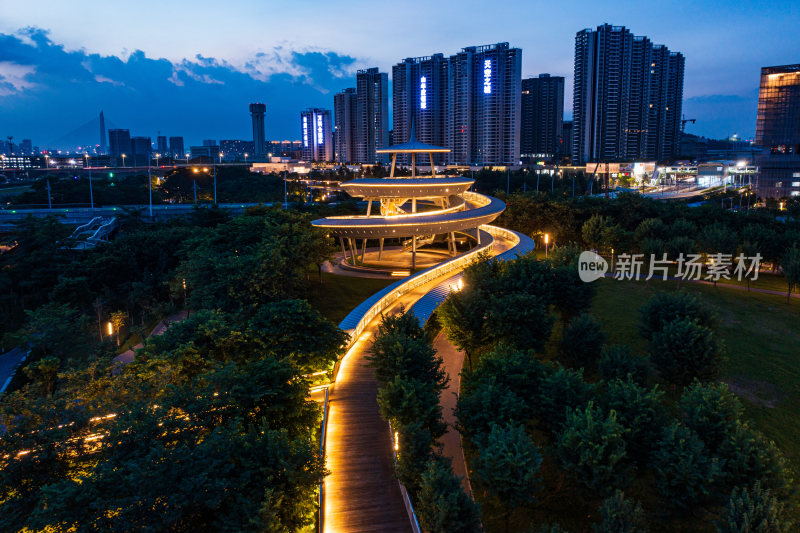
(361,493)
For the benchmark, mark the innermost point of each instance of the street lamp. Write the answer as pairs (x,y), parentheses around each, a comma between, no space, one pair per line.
(91,193)
(187,158)
(123,160)
(245,157)
(546,240)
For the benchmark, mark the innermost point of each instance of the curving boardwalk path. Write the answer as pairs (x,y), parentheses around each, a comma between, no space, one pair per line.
(361,493)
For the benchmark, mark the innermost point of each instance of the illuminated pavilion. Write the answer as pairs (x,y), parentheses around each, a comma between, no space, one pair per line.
(418,208)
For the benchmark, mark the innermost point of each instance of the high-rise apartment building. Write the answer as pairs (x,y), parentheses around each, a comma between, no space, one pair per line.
(345,110)
(257,112)
(468,102)
(484,105)
(176,148)
(541,133)
(141,148)
(565,145)
(316,134)
(372,113)
(161,144)
(778,132)
(119,142)
(627,97)
(419,95)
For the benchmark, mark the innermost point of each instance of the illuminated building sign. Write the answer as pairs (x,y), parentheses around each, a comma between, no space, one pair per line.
(305,131)
(423,93)
(320,138)
(487,76)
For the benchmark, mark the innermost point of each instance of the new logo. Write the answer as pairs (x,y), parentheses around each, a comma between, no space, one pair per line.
(591,266)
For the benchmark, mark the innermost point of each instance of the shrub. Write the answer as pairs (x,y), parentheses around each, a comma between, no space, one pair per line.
(442,505)
(753,510)
(583,339)
(749,455)
(591,448)
(685,474)
(641,413)
(684,350)
(563,389)
(665,307)
(620,515)
(617,362)
(711,410)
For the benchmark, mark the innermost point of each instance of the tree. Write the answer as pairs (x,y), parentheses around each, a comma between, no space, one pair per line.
(749,455)
(582,340)
(665,307)
(711,410)
(684,350)
(295,330)
(507,466)
(463,316)
(791,270)
(594,230)
(54,330)
(651,228)
(617,362)
(753,510)
(118,320)
(562,390)
(640,411)
(399,355)
(718,238)
(591,448)
(405,400)
(442,505)
(621,515)
(44,373)
(521,320)
(571,295)
(685,473)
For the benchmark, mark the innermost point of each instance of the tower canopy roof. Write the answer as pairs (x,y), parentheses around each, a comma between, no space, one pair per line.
(412,146)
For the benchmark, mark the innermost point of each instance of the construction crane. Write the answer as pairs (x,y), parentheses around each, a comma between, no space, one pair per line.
(684,120)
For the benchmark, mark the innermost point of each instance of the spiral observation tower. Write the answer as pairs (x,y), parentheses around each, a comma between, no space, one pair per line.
(416,210)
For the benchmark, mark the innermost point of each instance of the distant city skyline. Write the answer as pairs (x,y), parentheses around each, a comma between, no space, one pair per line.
(178,74)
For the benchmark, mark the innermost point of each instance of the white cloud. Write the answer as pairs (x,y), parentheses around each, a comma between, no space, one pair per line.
(15,78)
(102,79)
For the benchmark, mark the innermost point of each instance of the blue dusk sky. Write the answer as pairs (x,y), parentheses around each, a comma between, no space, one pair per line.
(190,68)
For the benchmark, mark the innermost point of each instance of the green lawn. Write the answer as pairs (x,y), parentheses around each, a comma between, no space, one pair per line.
(338,295)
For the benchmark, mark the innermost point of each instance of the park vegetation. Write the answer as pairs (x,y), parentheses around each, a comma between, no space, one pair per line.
(586,429)
(210,427)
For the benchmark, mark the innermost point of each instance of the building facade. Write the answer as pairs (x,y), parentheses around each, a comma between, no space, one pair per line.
(161,145)
(542,118)
(419,95)
(484,105)
(316,134)
(176,147)
(141,148)
(627,97)
(778,132)
(119,142)
(236,150)
(372,114)
(257,112)
(345,111)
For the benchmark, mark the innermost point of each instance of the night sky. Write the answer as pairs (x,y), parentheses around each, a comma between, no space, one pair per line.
(191,68)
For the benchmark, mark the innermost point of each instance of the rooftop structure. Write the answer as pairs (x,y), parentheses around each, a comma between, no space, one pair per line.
(416,207)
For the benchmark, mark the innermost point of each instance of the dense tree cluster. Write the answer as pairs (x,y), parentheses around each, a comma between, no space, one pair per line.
(598,412)
(210,427)
(411,378)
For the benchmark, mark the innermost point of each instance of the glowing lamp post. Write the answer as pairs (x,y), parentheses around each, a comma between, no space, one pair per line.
(546,241)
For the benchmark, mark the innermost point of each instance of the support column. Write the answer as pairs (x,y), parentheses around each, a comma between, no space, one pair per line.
(369,207)
(344,252)
(433,168)
(478,233)
(380,249)
(413,205)
(413,251)
(453,243)
(364,249)
(413,165)
(394,161)
(352,251)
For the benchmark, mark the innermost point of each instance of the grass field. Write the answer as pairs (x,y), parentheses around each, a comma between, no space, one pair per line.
(338,295)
